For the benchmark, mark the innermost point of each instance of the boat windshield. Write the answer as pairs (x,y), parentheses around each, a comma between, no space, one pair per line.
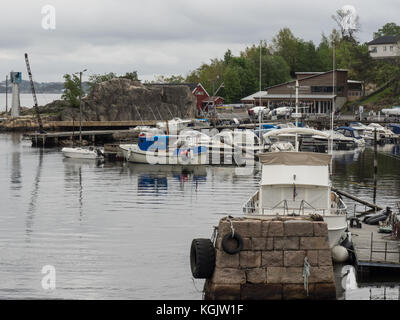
(357,134)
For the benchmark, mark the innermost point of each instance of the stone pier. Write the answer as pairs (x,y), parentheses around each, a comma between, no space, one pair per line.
(270,264)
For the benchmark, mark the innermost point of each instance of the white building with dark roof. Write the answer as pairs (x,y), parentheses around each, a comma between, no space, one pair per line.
(384,47)
(316,92)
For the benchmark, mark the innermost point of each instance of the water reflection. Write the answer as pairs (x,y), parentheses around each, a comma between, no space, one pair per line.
(73,177)
(114,216)
(349,287)
(34,195)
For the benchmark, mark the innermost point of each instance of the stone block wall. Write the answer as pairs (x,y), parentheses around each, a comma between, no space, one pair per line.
(270,265)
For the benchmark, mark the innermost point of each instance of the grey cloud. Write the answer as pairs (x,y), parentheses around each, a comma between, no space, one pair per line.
(161,37)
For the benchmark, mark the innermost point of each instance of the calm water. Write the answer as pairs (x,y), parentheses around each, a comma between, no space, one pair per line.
(124,231)
(26,99)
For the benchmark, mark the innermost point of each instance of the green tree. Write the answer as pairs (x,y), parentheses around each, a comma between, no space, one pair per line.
(285,44)
(99,78)
(174,79)
(71,90)
(389,29)
(232,84)
(131,76)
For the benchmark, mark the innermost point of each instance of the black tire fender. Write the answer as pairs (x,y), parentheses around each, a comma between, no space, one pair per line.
(202,258)
(235,236)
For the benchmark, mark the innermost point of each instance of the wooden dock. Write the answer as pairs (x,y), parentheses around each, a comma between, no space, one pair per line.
(50,139)
(375,252)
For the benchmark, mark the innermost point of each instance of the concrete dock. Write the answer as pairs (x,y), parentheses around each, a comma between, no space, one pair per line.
(375,252)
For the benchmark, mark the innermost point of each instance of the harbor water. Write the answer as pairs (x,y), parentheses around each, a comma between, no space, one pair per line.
(123,231)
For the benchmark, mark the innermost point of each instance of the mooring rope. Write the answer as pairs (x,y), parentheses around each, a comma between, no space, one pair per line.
(232,228)
(306,274)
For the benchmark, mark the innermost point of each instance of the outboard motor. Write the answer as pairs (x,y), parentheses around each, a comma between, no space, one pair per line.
(99,153)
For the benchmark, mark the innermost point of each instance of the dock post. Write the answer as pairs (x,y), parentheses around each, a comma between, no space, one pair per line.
(385,250)
(372,237)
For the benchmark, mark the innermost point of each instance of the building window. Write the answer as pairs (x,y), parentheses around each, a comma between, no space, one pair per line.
(384,48)
(391,48)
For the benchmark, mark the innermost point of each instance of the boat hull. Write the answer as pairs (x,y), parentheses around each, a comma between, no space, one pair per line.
(132,153)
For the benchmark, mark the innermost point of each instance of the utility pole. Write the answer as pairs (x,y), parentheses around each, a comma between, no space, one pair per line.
(6,93)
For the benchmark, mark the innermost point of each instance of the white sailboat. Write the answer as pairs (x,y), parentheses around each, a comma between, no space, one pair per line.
(82,153)
(79,152)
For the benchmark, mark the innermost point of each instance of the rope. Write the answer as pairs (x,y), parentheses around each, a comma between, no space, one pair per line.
(232,228)
(214,235)
(306,274)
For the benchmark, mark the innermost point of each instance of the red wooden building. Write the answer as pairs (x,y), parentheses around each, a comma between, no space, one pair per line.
(199,92)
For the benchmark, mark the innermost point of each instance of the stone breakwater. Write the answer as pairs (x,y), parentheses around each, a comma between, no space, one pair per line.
(270,264)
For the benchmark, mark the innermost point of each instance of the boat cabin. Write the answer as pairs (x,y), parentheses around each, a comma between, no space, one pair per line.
(349,132)
(294,183)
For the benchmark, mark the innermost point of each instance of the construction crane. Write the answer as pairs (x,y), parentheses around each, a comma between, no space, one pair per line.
(34,95)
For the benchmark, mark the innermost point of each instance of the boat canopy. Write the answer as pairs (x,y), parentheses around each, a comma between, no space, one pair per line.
(294,131)
(295,158)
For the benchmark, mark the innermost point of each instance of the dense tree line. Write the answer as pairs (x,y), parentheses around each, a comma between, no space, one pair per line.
(288,54)
(234,77)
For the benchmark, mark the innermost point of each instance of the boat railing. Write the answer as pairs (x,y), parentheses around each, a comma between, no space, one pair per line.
(283,207)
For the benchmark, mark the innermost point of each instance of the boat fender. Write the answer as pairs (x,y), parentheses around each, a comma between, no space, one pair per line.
(339,254)
(227,243)
(202,258)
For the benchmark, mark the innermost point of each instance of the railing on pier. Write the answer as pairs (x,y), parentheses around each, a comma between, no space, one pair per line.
(381,247)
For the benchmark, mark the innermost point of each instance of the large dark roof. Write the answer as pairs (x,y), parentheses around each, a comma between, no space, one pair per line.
(385,40)
(312,75)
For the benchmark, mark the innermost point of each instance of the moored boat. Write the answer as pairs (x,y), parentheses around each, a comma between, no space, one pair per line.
(298,184)
(82,153)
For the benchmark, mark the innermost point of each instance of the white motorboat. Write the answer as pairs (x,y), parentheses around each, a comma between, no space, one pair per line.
(298,184)
(174,126)
(362,131)
(189,148)
(383,134)
(82,153)
(340,141)
(285,139)
(244,140)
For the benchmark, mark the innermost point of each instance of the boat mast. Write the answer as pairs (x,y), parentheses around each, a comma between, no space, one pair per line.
(260,112)
(333,101)
(297,112)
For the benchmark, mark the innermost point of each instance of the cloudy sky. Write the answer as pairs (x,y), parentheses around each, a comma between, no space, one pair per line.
(160,36)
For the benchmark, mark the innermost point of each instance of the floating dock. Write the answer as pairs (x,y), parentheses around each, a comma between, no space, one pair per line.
(50,139)
(375,253)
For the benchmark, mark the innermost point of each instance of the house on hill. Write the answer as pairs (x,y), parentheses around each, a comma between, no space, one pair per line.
(384,47)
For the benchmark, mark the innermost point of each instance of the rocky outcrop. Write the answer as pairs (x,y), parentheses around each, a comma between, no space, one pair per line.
(123,99)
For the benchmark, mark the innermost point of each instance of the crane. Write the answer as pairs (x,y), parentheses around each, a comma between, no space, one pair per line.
(34,95)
